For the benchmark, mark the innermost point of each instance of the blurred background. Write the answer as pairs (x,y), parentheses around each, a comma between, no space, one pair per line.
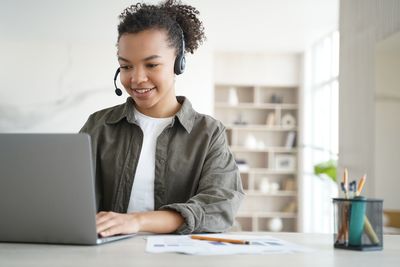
(269,70)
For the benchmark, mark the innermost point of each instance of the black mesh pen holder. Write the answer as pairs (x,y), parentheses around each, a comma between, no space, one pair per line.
(358,223)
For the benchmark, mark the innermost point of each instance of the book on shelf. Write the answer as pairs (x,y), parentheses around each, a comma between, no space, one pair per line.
(290,140)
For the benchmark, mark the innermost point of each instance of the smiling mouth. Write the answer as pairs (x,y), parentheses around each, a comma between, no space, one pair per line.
(142,90)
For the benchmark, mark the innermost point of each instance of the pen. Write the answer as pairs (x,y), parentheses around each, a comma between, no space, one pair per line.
(370,231)
(342,187)
(352,189)
(217,239)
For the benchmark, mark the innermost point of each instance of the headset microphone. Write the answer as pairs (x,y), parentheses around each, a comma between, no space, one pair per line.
(118,91)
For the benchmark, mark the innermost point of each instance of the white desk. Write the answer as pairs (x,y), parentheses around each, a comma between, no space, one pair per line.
(131,252)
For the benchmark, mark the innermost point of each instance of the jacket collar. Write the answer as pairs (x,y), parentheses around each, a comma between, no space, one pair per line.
(186,115)
(122,111)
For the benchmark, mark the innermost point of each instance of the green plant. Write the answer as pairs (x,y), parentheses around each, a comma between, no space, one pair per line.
(328,168)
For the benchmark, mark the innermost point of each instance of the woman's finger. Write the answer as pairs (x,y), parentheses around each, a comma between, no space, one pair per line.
(114,230)
(105,222)
(104,216)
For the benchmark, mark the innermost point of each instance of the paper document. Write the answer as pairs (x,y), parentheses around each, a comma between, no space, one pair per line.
(185,244)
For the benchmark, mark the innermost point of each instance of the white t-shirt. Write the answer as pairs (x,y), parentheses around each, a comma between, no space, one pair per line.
(142,194)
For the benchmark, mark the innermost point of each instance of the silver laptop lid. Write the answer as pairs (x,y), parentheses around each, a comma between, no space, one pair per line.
(47,189)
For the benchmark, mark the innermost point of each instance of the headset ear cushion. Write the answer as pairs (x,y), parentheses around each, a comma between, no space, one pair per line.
(179,65)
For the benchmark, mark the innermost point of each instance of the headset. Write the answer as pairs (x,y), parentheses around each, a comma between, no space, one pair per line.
(179,64)
(180,60)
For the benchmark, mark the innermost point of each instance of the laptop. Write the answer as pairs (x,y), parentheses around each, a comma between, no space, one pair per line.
(47,190)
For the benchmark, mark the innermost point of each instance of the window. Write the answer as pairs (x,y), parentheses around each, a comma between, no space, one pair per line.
(320,141)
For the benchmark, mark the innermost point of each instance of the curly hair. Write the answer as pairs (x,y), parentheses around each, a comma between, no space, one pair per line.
(172,16)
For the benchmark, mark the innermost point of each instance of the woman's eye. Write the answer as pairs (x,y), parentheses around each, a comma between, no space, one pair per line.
(152,65)
(125,67)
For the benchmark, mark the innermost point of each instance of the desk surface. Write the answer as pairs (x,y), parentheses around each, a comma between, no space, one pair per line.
(131,252)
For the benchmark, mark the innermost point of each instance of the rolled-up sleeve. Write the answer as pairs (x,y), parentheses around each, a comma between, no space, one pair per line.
(219,195)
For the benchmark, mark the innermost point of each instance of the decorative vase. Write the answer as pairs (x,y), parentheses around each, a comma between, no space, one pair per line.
(275,224)
(264,185)
(233,98)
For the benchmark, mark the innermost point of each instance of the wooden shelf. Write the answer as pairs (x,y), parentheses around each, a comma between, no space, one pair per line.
(266,149)
(266,171)
(277,86)
(280,193)
(272,214)
(255,106)
(263,110)
(256,127)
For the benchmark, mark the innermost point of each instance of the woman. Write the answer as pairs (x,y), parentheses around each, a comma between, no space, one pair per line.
(161,167)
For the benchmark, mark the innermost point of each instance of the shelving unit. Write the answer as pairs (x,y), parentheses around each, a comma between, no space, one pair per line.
(261,123)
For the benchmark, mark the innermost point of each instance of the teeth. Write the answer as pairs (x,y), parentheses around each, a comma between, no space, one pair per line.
(142,91)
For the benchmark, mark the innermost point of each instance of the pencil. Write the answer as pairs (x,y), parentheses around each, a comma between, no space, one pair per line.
(217,239)
(361,185)
(346,182)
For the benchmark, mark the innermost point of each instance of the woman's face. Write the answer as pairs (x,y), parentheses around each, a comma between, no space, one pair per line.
(147,70)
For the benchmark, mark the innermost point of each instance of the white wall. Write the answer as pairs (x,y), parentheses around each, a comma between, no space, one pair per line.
(363,24)
(387,126)
(58,60)
(197,83)
(258,68)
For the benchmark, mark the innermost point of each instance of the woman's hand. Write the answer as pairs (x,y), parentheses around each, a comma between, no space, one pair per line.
(162,221)
(112,223)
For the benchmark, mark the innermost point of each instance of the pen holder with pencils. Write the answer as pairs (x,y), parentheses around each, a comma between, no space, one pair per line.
(358,223)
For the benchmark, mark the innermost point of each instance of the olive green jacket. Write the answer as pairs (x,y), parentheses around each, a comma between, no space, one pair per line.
(195,172)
